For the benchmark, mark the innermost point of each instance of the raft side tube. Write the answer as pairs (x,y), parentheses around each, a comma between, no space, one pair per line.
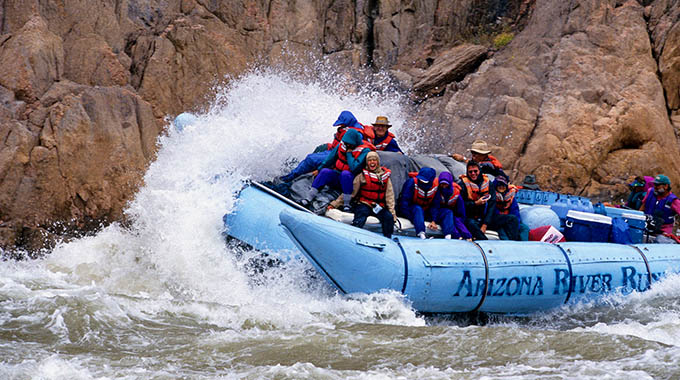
(521,276)
(353,259)
(438,271)
(254,221)
(600,268)
(663,259)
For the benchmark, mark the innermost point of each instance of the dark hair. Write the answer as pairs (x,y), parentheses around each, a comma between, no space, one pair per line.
(472,163)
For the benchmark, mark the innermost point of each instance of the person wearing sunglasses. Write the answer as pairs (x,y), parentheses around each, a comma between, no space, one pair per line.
(475,191)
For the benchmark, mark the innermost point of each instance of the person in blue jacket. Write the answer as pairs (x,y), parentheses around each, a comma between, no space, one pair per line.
(420,201)
(340,167)
(311,162)
(503,210)
(450,198)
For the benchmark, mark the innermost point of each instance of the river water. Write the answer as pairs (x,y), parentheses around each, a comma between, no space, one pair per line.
(165,298)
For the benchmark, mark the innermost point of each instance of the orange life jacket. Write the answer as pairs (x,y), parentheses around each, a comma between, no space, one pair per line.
(503,202)
(341,163)
(475,192)
(451,201)
(374,190)
(421,197)
(385,142)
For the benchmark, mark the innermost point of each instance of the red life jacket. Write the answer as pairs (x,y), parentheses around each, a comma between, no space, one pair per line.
(494,161)
(367,133)
(421,197)
(341,163)
(503,202)
(385,142)
(475,192)
(453,198)
(374,190)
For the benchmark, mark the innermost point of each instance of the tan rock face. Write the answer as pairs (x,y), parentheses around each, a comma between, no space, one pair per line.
(574,100)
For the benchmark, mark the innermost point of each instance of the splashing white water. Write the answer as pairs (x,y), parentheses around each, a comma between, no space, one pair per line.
(173,256)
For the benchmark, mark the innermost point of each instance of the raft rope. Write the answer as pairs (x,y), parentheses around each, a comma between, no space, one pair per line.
(571,273)
(486,277)
(649,272)
(403,254)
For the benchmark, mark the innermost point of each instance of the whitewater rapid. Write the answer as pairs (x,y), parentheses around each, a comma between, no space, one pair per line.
(165,297)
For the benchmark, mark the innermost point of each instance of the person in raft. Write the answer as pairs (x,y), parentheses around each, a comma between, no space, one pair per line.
(449,192)
(662,206)
(340,166)
(481,154)
(373,195)
(475,191)
(504,216)
(418,202)
(384,140)
(637,193)
(345,121)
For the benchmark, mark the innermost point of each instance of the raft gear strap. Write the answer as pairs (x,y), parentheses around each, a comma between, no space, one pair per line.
(649,272)
(486,278)
(403,254)
(571,273)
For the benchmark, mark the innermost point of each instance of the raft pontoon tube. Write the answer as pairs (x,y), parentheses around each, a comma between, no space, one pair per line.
(449,276)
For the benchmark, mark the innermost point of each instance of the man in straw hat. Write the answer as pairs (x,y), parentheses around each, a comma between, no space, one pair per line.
(481,154)
(384,140)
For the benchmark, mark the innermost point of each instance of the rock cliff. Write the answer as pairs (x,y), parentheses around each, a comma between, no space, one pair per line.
(583,93)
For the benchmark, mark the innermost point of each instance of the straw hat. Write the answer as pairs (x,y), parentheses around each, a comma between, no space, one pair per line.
(480,146)
(382,120)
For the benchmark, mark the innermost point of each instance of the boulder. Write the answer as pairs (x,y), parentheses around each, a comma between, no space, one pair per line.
(31,60)
(452,65)
(83,164)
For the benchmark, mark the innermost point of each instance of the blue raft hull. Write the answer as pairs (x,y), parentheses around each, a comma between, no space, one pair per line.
(448,276)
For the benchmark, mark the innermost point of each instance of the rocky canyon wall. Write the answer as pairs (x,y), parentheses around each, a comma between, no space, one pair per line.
(585,95)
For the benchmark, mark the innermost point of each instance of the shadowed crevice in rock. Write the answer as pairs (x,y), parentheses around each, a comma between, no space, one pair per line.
(656,58)
(372,14)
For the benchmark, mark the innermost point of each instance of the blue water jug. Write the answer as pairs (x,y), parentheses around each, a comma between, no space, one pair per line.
(561,207)
(599,209)
(587,205)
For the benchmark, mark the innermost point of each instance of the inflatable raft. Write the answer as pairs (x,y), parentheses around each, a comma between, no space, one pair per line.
(446,276)
(453,276)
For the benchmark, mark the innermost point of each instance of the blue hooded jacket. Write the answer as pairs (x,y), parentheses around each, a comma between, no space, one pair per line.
(346,118)
(351,137)
(514,206)
(406,198)
(444,194)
